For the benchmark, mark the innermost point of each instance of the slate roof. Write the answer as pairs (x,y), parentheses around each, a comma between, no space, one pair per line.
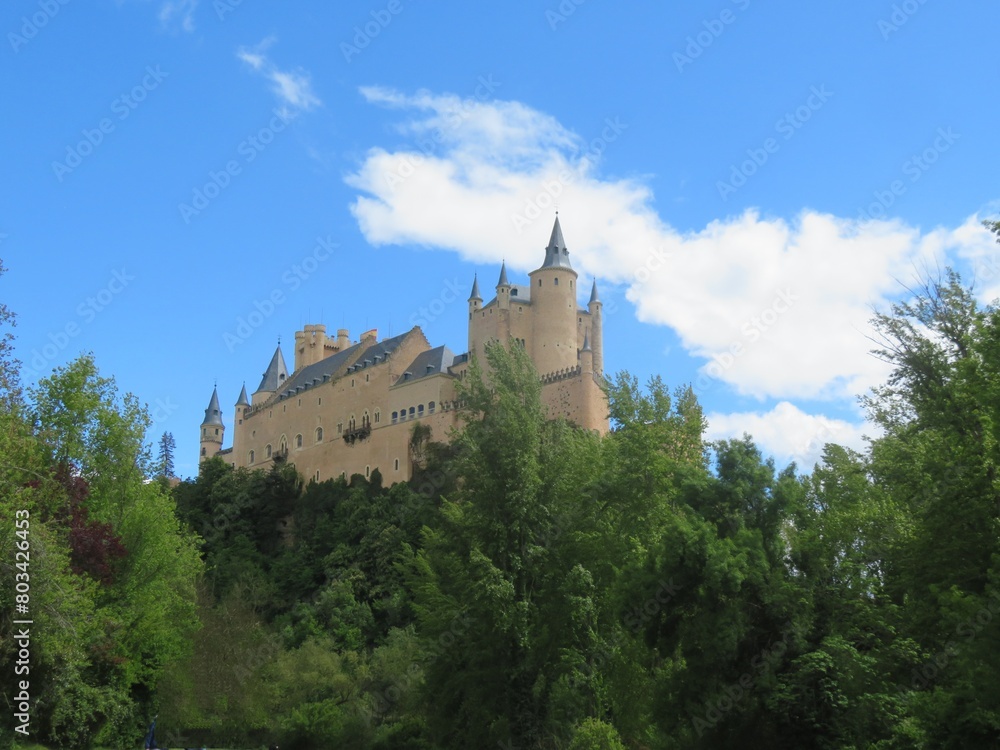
(276,373)
(430,362)
(556,254)
(213,414)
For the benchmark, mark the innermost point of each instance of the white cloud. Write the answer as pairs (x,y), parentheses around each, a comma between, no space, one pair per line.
(180,12)
(777,308)
(292,87)
(789,434)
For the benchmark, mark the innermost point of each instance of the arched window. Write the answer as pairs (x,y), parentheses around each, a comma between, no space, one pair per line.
(378,416)
(350,423)
(267,451)
(283,445)
(368,471)
(556,282)
(420,410)
(319,434)
(298,441)
(366,420)
(203,451)
(412,411)
(395,417)
(251,457)
(430,407)
(397,464)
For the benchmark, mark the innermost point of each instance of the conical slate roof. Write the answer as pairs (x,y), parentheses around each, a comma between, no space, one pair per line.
(213,414)
(276,373)
(593,293)
(475,288)
(503,275)
(243,400)
(556,254)
(586,342)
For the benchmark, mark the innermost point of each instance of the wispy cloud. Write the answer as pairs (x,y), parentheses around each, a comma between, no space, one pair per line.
(292,87)
(178,13)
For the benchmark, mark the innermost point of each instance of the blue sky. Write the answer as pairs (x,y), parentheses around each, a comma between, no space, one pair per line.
(746,180)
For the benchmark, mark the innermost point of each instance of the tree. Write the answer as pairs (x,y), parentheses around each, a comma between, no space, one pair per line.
(165,456)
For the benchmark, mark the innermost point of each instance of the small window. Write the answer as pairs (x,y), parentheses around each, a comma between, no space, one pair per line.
(319,401)
(352,382)
(340,428)
(430,407)
(412,411)
(216,430)
(300,402)
(571,283)
(556,281)
(368,471)
(539,282)
(319,434)
(283,445)
(367,375)
(317,475)
(251,456)
(298,441)
(267,451)
(420,410)
(395,417)
(378,416)
(397,464)
(270,413)
(284,408)
(203,452)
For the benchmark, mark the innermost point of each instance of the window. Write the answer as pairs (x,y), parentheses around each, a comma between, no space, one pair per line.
(319,401)
(556,282)
(283,445)
(319,434)
(395,417)
(270,413)
(216,430)
(317,475)
(411,412)
(284,407)
(378,416)
(204,432)
(368,471)
(539,282)
(300,402)
(397,465)
(366,421)
(420,410)
(367,375)
(267,451)
(571,283)
(203,451)
(251,456)
(352,382)
(340,428)
(350,424)
(430,407)
(298,441)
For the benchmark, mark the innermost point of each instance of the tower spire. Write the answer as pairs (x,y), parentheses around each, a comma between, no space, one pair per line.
(556,253)
(593,293)
(475,288)
(503,275)
(213,414)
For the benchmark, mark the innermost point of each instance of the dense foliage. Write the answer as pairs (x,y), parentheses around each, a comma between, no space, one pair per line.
(534,585)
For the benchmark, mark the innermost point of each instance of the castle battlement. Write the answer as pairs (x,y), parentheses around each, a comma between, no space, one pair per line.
(350,407)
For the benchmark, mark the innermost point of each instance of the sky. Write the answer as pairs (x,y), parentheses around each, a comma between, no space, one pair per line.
(186,182)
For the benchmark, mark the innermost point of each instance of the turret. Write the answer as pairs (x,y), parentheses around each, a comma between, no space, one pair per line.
(475,303)
(239,413)
(212,429)
(586,356)
(554,339)
(503,288)
(595,307)
(311,345)
(274,377)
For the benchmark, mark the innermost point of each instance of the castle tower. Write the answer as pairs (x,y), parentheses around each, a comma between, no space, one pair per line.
(553,301)
(475,303)
(239,413)
(503,288)
(597,329)
(311,345)
(275,375)
(212,429)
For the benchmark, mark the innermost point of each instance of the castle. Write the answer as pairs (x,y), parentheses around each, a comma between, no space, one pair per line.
(349,407)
